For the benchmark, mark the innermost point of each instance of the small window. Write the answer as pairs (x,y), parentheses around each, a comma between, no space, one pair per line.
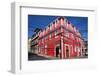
(56,32)
(45,49)
(72,36)
(51,27)
(61,29)
(50,35)
(67,33)
(77,49)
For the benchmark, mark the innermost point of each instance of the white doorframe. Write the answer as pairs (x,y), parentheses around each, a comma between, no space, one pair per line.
(55,49)
(68,48)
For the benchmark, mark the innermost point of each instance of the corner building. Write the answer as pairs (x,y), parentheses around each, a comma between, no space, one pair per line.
(60,39)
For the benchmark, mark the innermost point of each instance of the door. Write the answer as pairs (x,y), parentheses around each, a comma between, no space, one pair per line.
(67,52)
(57,51)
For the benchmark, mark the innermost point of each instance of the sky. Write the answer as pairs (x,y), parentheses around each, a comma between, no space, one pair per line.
(41,21)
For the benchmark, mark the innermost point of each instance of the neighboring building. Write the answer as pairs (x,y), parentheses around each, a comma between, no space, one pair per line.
(85,51)
(59,39)
(34,41)
(29,45)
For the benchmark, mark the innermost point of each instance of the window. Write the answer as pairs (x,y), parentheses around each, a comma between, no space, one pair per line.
(77,49)
(45,49)
(62,21)
(51,27)
(61,29)
(67,33)
(55,23)
(56,32)
(50,35)
(72,36)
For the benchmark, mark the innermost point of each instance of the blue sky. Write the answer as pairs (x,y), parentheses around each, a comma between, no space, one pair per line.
(41,21)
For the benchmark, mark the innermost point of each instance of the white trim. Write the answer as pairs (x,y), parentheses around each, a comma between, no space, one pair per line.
(68,48)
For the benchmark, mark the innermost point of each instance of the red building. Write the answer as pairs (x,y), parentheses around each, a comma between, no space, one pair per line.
(59,39)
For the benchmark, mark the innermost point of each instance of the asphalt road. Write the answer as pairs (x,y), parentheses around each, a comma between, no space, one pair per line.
(32,57)
(36,57)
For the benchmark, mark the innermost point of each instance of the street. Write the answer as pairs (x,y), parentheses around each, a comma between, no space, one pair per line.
(36,57)
(32,56)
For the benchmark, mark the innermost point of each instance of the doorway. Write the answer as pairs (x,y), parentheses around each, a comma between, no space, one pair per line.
(57,51)
(67,52)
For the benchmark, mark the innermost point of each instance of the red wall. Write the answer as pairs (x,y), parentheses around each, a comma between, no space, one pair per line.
(51,43)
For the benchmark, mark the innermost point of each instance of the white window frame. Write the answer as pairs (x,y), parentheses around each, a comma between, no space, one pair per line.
(68,48)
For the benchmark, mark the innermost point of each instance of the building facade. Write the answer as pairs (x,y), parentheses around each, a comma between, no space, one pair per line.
(60,39)
(29,45)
